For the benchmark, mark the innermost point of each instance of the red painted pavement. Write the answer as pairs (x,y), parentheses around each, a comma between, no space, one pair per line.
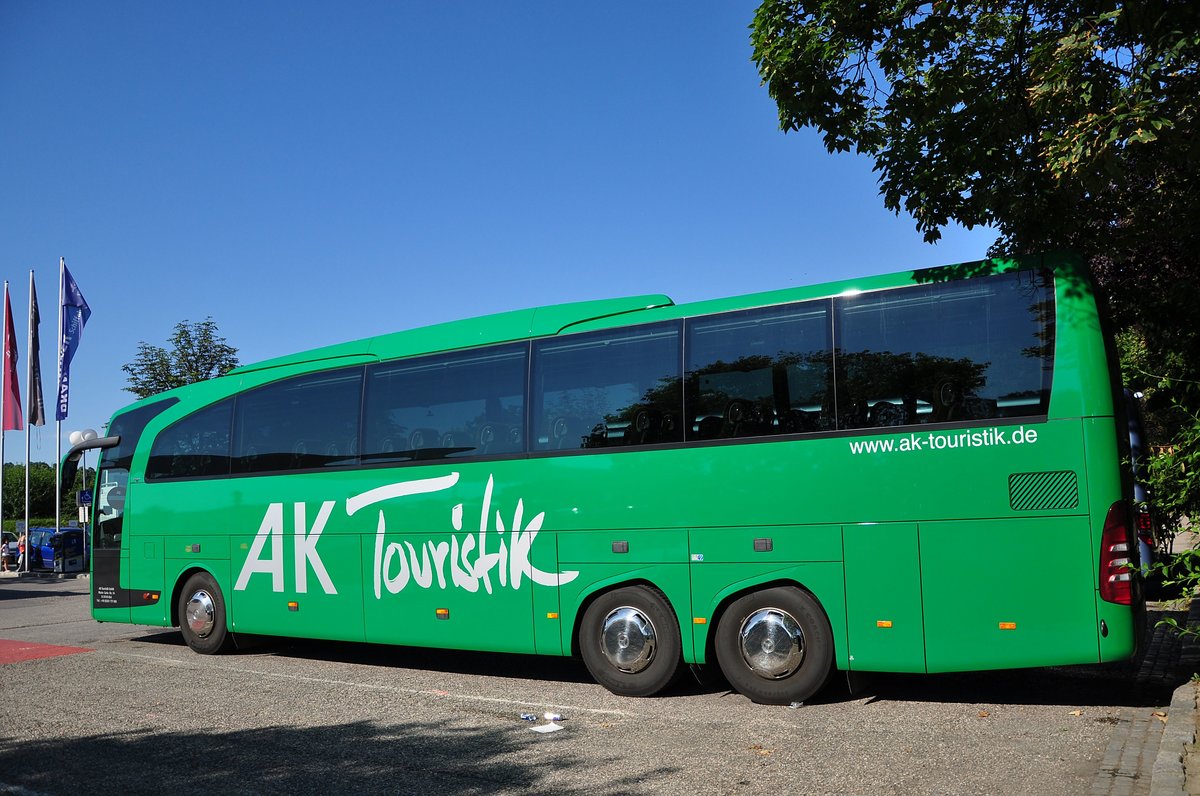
(17,651)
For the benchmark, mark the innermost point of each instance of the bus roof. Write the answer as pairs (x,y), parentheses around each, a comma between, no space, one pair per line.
(498,328)
(557,319)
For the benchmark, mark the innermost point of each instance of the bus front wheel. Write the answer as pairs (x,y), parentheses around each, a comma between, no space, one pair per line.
(202,615)
(629,639)
(775,646)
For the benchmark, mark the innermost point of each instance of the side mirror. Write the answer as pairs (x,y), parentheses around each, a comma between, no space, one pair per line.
(70,462)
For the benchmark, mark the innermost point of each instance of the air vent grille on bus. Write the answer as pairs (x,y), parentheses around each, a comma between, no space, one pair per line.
(1042,491)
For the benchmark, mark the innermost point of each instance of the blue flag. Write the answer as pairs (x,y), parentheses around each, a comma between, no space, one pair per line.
(75,314)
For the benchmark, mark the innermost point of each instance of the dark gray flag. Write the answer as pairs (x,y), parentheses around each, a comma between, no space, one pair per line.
(37,408)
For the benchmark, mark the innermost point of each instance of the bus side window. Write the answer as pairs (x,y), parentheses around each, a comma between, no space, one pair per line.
(197,445)
(302,423)
(759,372)
(469,403)
(606,389)
(945,352)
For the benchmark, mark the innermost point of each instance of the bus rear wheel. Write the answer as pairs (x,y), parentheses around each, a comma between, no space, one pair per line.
(775,646)
(202,615)
(629,639)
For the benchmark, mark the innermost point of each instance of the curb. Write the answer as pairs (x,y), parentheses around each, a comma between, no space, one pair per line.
(1168,777)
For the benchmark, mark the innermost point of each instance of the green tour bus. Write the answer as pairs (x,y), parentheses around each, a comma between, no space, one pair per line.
(917,472)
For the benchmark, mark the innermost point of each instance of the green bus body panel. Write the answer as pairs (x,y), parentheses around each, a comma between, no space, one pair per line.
(501,619)
(981,576)
(336,615)
(641,547)
(788,544)
(885,625)
(930,548)
(1082,386)
(146,568)
(738,474)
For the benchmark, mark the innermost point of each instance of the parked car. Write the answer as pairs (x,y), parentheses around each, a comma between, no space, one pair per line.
(57,550)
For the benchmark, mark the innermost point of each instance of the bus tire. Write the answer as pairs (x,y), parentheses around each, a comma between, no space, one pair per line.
(629,639)
(202,615)
(775,646)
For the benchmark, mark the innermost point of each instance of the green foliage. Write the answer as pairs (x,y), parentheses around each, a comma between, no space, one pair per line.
(41,492)
(1043,119)
(1064,125)
(1175,472)
(1173,417)
(198,352)
(10,525)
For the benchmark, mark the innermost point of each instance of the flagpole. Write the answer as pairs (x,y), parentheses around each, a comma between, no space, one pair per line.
(29,382)
(62,267)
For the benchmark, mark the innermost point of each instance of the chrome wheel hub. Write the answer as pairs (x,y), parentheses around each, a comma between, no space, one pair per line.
(628,640)
(772,643)
(201,613)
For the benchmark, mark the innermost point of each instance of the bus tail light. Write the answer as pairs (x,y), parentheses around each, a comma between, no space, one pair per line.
(1116,571)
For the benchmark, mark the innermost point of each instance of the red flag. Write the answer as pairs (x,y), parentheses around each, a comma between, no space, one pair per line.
(13,420)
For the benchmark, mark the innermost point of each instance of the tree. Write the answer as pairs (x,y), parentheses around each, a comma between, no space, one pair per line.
(41,492)
(1040,118)
(1067,124)
(198,352)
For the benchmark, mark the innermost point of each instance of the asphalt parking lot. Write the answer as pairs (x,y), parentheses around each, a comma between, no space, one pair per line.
(130,709)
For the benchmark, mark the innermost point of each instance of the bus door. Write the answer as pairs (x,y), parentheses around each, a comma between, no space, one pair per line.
(111,594)
(110,560)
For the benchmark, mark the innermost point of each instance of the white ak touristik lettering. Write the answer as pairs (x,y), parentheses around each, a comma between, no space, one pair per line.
(471,559)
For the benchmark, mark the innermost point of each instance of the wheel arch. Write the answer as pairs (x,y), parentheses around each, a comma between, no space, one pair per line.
(741,590)
(604,588)
(177,590)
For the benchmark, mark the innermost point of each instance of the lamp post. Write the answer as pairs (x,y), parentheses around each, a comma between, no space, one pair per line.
(77,437)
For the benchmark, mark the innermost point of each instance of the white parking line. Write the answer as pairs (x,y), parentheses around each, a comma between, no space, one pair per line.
(372,687)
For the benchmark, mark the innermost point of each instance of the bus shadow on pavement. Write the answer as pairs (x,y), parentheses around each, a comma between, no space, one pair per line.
(551,668)
(1148,680)
(1075,686)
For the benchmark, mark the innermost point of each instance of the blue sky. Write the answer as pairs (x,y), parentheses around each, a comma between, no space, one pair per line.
(308,173)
